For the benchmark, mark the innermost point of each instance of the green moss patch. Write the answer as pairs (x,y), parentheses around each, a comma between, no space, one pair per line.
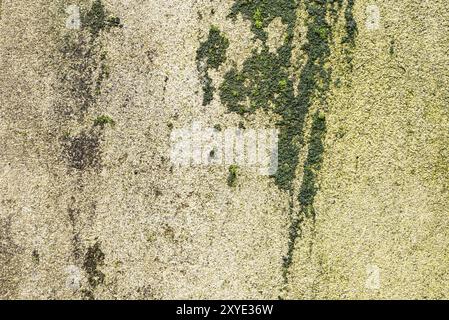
(233,175)
(262,12)
(104,120)
(211,55)
(97,19)
(267,82)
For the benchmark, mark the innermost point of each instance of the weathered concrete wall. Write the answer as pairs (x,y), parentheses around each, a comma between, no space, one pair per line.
(92,207)
(383,199)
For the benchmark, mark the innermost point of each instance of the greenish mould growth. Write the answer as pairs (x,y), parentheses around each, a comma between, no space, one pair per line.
(93,259)
(315,79)
(84,64)
(267,81)
(233,175)
(392,47)
(97,19)
(264,81)
(213,51)
(82,151)
(35,256)
(351,32)
(211,55)
(309,188)
(262,12)
(103,72)
(104,120)
(313,164)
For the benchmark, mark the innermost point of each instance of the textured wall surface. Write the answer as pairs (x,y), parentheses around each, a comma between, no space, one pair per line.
(92,206)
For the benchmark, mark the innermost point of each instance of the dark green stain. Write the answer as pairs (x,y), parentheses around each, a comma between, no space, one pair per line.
(233,175)
(86,60)
(267,81)
(313,163)
(93,259)
(211,55)
(97,19)
(104,120)
(309,189)
(351,32)
(262,12)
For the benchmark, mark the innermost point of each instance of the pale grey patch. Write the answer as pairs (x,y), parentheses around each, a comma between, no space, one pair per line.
(74,20)
(73,280)
(373,277)
(372,17)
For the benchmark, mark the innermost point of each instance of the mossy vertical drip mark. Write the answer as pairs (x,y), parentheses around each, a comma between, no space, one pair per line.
(308,188)
(93,259)
(86,60)
(316,78)
(211,55)
(351,32)
(81,72)
(97,19)
(313,163)
(313,78)
(266,81)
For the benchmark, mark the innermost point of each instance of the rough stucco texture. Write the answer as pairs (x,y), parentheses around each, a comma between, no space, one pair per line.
(91,206)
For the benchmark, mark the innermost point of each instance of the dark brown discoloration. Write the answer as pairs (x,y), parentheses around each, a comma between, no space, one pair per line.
(9,264)
(83,151)
(35,256)
(93,258)
(76,76)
